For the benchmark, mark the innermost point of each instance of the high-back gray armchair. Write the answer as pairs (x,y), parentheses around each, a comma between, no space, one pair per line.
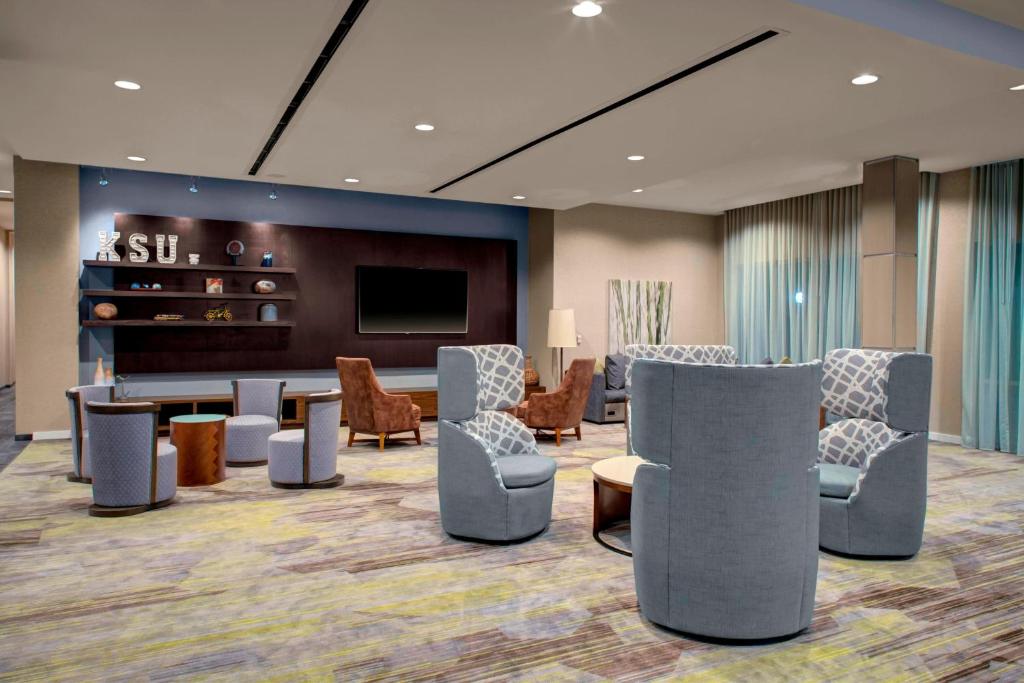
(492,481)
(257,415)
(307,458)
(874,461)
(131,471)
(78,397)
(725,509)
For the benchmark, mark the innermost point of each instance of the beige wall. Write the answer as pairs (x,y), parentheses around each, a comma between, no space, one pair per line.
(46,292)
(948,313)
(595,243)
(6,307)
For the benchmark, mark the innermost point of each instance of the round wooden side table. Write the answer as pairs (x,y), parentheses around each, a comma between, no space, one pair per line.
(613,494)
(201,448)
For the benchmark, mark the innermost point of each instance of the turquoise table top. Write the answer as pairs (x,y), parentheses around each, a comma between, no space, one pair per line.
(199,417)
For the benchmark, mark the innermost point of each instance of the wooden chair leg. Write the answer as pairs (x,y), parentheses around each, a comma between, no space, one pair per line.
(382,437)
(558,437)
(578,434)
(419,442)
(351,438)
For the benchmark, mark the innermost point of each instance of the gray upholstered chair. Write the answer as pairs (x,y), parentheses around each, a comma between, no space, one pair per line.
(724,516)
(131,471)
(81,467)
(307,458)
(493,483)
(257,407)
(874,461)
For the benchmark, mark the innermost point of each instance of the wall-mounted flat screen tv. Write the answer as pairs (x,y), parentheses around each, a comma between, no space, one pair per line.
(411,300)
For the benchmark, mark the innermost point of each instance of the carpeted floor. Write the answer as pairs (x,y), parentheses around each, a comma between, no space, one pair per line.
(242,581)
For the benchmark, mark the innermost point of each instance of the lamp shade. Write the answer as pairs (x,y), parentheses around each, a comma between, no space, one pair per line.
(562,328)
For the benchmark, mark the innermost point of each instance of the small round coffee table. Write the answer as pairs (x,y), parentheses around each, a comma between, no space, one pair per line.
(613,494)
(201,448)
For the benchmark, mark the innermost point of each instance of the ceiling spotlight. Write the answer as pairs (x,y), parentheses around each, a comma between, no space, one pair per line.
(128,85)
(351,180)
(519,197)
(136,158)
(425,127)
(865,79)
(194,186)
(273,193)
(586,9)
(639,189)
(635,157)
(103,178)
(1018,87)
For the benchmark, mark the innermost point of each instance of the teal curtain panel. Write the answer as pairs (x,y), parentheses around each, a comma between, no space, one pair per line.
(994,310)
(639,312)
(791,276)
(927,236)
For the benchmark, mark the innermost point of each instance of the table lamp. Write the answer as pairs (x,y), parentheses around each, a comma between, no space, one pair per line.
(561,333)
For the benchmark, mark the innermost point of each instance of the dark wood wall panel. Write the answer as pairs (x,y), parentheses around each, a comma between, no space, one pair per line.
(325,308)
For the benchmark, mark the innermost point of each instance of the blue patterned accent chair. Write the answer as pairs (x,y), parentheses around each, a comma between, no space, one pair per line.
(307,458)
(257,415)
(131,471)
(493,483)
(78,397)
(724,515)
(874,459)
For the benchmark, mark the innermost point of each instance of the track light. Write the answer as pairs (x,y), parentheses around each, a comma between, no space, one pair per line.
(194,187)
(273,192)
(103,178)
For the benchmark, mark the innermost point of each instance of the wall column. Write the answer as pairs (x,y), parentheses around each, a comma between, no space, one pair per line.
(888,274)
(45,293)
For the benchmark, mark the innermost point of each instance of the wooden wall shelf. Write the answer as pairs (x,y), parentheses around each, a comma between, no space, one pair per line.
(186,323)
(165,294)
(151,265)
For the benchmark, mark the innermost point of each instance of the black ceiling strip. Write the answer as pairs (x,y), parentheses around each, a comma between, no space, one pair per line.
(714,59)
(355,8)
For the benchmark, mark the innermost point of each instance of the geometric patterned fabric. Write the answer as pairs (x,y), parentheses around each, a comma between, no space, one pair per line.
(122,448)
(499,372)
(99,393)
(703,354)
(499,434)
(851,442)
(246,437)
(259,397)
(855,383)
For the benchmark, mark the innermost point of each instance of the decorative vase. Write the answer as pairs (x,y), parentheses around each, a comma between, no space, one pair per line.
(105,311)
(268,259)
(99,376)
(530,374)
(268,313)
(264,287)
(108,377)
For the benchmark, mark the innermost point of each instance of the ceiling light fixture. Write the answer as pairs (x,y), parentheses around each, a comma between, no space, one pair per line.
(5,192)
(865,79)
(586,9)
(639,189)
(1018,87)
(519,197)
(273,192)
(635,157)
(194,186)
(351,180)
(128,85)
(136,158)
(425,127)
(103,178)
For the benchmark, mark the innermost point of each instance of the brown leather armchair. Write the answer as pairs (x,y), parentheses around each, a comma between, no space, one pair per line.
(372,411)
(561,409)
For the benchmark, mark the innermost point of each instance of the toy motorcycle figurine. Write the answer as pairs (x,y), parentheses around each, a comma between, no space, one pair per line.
(222,312)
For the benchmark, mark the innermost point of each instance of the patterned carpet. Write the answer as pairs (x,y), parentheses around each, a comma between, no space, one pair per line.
(242,581)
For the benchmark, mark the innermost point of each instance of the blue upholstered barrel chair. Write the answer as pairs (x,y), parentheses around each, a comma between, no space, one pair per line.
(724,515)
(874,460)
(677,353)
(307,458)
(81,467)
(493,483)
(257,407)
(131,471)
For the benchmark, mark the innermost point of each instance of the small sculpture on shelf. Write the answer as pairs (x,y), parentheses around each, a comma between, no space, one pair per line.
(105,311)
(235,249)
(268,259)
(136,285)
(222,312)
(168,317)
(193,259)
(268,313)
(264,287)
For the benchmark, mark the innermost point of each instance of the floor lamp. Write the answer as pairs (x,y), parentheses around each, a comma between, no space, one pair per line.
(561,333)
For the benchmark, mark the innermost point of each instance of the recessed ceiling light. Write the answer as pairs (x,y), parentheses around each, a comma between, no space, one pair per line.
(5,192)
(424,127)
(864,79)
(136,158)
(1018,87)
(639,189)
(128,85)
(519,196)
(586,9)
(351,180)
(635,157)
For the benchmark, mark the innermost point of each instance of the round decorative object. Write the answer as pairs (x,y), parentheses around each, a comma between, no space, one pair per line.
(157,285)
(264,287)
(105,311)
(136,285)
(530,374)
(235,248)
(268,313)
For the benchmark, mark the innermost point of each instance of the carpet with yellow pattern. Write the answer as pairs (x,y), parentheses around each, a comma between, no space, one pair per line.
(241,581)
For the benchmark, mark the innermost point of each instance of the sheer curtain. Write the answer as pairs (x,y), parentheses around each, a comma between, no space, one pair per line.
(791,270)
(994,310)
(927,233)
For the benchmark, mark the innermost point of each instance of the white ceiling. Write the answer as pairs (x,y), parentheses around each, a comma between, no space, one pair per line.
(778,120)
